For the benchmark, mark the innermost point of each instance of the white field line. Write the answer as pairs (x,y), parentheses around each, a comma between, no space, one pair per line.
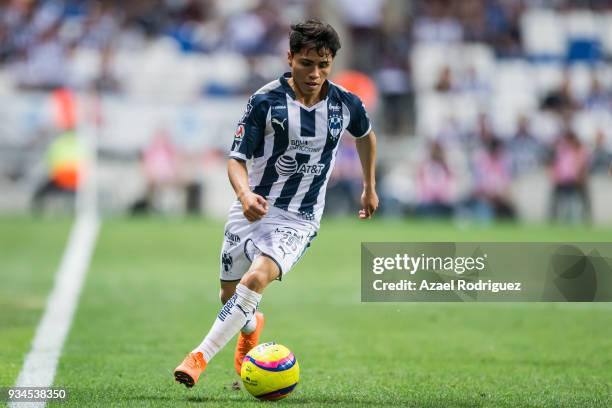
(41,362)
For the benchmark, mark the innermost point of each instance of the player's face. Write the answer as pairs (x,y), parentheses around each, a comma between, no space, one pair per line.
(309,70)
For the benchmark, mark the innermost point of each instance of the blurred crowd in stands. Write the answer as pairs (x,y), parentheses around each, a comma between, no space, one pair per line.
(45,44)
(496,158)
(40,37)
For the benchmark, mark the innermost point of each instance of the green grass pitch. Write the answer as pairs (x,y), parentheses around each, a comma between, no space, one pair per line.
(152,292)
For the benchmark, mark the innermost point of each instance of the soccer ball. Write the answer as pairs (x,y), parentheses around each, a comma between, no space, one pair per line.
(270,371)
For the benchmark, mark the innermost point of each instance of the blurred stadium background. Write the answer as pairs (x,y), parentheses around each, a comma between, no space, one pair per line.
(484,108)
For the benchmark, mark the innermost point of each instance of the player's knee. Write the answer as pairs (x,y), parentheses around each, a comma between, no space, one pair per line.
(256,279)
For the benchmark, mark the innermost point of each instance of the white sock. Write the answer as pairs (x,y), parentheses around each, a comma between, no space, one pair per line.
(250,326)
(234,315)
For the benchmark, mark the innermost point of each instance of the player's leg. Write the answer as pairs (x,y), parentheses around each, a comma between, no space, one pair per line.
(262,272)
(241,307)
(228,288)
(250,332)
(258,277)
(286,245)
(232,267)
(235,313)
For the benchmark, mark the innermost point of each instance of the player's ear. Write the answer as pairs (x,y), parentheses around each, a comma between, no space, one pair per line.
(289,57)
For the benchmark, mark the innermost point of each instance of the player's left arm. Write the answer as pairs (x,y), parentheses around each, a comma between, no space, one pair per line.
(366,148)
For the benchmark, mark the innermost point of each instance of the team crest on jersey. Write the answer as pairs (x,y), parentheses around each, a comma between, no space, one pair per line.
(334,123)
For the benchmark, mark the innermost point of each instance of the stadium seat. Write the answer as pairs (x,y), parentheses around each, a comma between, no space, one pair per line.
(479,56)
(514,92)
(231,69)
(432,112)
(6,83)
(514,76)
(189,75)
(271,66)
(547,77)
(546,126)
(543,33)
(427,62)
(605,32)
(85,64)
(465,108)
(580,24)
(580,80)
(586,124)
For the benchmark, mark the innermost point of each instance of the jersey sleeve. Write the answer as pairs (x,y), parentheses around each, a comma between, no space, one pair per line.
(359,124)
(250,132)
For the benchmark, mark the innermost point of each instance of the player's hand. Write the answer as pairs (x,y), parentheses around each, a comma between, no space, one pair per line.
(369,203)
(254,206)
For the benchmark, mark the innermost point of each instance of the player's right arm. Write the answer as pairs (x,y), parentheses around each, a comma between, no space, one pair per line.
(254,206)
(248,138)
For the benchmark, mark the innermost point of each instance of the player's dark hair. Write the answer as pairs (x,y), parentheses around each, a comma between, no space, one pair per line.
(314,34)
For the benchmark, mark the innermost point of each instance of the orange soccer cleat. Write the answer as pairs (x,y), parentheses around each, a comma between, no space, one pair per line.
(190,369)
(247,341)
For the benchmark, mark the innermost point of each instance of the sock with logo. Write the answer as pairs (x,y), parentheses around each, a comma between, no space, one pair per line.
(234,315)
(250,326)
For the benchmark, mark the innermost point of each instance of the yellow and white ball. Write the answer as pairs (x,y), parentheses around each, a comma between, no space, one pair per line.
(270,371)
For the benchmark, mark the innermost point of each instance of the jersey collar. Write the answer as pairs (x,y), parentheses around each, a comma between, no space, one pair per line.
(284,80)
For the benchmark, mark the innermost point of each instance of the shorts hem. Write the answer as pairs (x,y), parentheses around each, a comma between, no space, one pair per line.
(280,269)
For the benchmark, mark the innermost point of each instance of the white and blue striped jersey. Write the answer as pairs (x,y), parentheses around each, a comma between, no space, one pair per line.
(293,147)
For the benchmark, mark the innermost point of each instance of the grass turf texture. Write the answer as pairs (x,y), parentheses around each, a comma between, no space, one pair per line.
(151,294)
(30,252)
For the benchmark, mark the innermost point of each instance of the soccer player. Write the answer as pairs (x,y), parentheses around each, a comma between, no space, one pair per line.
(289,133)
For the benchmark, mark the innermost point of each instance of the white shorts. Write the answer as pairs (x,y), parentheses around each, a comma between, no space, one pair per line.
(279,235)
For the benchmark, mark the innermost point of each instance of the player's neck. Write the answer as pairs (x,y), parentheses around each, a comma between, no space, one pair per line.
(305,99)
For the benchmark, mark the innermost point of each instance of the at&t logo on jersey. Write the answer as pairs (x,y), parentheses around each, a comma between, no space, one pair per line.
(315,169)
(288,166)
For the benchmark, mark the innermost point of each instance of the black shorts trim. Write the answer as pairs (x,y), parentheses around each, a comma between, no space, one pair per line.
(244,249)
(280,270)
(230,280)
